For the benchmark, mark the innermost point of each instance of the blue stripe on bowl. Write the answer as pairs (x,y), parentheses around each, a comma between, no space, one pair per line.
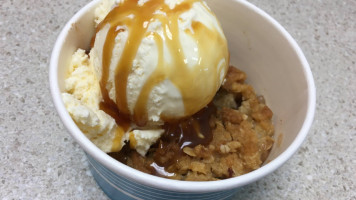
(148,193)
(118,187)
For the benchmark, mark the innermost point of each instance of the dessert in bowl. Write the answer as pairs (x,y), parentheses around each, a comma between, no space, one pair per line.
(275,67)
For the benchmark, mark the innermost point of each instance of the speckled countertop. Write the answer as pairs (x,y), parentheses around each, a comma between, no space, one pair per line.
(40,160)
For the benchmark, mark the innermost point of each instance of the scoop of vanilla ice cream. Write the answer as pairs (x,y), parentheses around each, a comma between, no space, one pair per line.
(82,98)
(174,71)
(153,72)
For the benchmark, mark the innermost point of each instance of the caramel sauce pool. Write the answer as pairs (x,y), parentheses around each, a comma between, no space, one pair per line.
(187,132)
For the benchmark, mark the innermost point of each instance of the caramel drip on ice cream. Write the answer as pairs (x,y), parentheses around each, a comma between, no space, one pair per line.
(196,92)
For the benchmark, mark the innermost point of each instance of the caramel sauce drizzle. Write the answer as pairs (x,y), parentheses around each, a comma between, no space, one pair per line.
(189,86)
(196,91)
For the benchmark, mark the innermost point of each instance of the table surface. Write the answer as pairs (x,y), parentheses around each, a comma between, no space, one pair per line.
(40,160)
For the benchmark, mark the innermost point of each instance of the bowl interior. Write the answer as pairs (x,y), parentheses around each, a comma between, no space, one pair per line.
(78,36)
(259,46)
(272,64)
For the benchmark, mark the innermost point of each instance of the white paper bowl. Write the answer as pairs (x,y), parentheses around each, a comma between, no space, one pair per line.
(275,66)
